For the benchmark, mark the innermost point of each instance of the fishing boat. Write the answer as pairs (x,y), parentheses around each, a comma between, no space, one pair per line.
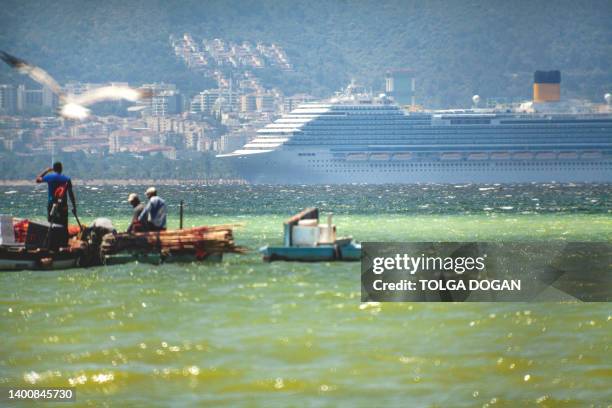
(307,240)
(28,246)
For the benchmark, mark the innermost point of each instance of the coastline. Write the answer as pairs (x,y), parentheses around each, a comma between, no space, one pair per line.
(133,182)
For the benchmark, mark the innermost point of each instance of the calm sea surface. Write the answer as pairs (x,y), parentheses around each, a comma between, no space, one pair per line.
(243,332)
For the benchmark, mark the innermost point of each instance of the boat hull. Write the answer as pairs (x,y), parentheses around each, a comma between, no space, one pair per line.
(12,259)
(326,167)
(347,252)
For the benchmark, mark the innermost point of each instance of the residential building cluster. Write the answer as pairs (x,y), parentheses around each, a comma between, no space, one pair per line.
(216,54)
(103,135)
(233,66)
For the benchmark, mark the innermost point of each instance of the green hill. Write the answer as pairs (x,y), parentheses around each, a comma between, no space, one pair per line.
(456,48)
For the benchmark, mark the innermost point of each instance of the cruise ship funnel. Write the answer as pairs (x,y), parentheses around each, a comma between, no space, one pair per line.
(547,86)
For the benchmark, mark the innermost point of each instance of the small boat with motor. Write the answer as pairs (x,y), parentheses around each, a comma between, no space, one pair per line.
(308,240)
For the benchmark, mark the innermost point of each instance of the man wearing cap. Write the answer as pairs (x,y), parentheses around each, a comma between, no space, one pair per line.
(153,216)
(135,224)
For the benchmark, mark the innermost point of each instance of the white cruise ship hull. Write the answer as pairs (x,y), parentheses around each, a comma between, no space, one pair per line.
(325,167)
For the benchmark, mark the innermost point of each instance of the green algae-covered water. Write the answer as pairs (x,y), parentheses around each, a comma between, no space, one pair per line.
(246,333)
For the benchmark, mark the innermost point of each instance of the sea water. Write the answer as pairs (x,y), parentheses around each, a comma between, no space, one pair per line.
(245,332)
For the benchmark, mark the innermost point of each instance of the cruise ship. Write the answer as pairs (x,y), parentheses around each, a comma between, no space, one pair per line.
(357,138)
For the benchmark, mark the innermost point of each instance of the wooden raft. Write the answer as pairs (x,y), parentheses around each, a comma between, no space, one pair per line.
(199,241)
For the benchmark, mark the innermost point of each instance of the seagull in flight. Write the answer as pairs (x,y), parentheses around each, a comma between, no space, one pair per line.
(75,106)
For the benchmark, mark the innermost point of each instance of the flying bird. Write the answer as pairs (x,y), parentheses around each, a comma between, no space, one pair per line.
(75,106)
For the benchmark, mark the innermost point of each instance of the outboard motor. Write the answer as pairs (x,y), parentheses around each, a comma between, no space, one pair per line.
(92,236)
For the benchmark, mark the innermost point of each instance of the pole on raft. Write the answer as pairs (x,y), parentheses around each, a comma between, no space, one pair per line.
(181,215)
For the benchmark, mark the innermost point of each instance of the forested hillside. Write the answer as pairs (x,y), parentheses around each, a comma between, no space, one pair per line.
(457,48)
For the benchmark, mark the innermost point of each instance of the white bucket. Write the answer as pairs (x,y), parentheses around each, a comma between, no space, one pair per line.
(7,234)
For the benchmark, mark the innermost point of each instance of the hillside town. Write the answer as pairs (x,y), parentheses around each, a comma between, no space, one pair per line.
(171,121)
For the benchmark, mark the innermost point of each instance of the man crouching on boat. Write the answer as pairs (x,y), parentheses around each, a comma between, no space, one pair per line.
(134,201)
(153,217)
